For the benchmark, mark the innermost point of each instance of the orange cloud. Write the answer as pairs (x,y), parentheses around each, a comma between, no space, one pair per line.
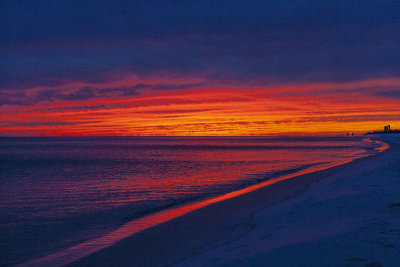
(306,108)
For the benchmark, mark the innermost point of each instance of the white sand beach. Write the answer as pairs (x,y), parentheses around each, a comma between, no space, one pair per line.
(347,215)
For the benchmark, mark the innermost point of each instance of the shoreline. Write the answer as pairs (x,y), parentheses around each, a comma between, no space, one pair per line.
(232,207)
(221,222)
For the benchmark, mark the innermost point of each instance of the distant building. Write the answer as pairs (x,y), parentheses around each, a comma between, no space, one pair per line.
(386,130)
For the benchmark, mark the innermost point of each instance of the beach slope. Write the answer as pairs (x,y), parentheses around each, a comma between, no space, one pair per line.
(346,215)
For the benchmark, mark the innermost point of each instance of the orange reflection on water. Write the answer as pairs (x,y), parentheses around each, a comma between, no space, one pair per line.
(77,252)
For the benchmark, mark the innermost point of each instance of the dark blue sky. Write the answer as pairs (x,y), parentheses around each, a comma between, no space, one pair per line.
(46,42)
(122,67)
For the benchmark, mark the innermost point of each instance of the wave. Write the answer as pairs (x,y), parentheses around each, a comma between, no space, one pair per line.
(145,212)
(244,184)
(279,173)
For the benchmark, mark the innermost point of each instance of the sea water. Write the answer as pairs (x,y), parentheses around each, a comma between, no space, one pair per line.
(59,192)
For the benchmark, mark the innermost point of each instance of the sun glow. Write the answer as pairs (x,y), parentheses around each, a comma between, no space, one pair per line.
(303,109)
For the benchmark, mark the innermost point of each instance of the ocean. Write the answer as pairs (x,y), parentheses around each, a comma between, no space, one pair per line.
(57,192)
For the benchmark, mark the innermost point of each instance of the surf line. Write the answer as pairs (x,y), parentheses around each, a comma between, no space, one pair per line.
(84,249)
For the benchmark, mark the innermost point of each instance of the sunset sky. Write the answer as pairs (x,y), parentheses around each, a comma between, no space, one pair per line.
(198,67)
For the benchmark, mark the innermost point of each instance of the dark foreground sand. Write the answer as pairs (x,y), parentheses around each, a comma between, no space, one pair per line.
(347,215)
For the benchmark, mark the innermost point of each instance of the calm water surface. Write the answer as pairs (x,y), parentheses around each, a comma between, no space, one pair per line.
(59,192)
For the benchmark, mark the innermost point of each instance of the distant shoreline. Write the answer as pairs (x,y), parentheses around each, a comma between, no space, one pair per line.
(383,132)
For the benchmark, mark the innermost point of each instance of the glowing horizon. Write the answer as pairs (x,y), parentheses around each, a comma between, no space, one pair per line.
(323,108)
